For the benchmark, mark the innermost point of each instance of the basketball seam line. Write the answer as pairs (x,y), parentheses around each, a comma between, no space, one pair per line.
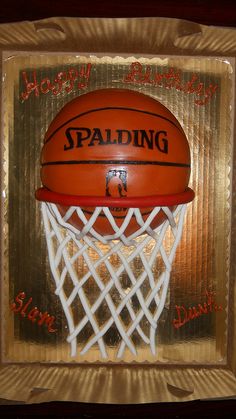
(106,109)
(116,162)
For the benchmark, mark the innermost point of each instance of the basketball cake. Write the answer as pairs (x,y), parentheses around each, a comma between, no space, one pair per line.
(112,281)
(115,167)
(116,148)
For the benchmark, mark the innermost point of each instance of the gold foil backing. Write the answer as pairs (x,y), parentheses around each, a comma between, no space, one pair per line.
(198,91)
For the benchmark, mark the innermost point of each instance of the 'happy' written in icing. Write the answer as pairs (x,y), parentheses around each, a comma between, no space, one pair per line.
(68,80)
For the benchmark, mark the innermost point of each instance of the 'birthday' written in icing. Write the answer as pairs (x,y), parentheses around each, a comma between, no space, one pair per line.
(171,78)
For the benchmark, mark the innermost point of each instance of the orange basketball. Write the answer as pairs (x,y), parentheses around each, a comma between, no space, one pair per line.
(114,144)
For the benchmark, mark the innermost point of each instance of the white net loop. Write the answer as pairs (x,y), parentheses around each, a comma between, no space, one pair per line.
(68,246)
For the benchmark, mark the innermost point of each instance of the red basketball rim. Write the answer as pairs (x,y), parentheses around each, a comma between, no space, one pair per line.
(44,194)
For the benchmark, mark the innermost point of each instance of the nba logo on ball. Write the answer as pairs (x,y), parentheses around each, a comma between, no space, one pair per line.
(121,147)
(116,183)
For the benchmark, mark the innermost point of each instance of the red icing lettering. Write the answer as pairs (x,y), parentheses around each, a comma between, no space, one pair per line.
(84,74)
(45,86)
(30,86)
(72,76)
(66,81)
(171,79)
(59,81)
(32,314)
(48,320)
(19,299)
(23,311)
(185,315)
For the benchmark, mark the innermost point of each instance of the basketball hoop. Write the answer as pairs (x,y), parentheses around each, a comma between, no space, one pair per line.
(115,167)
(61,236)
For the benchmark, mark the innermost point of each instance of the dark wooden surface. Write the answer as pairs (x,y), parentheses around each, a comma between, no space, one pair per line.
(62,410)
(209,12)
(218,13)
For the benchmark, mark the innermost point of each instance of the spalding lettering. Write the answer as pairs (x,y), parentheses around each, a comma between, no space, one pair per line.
(79,137)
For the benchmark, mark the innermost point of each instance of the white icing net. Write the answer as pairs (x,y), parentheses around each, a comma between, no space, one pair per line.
(132,296)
